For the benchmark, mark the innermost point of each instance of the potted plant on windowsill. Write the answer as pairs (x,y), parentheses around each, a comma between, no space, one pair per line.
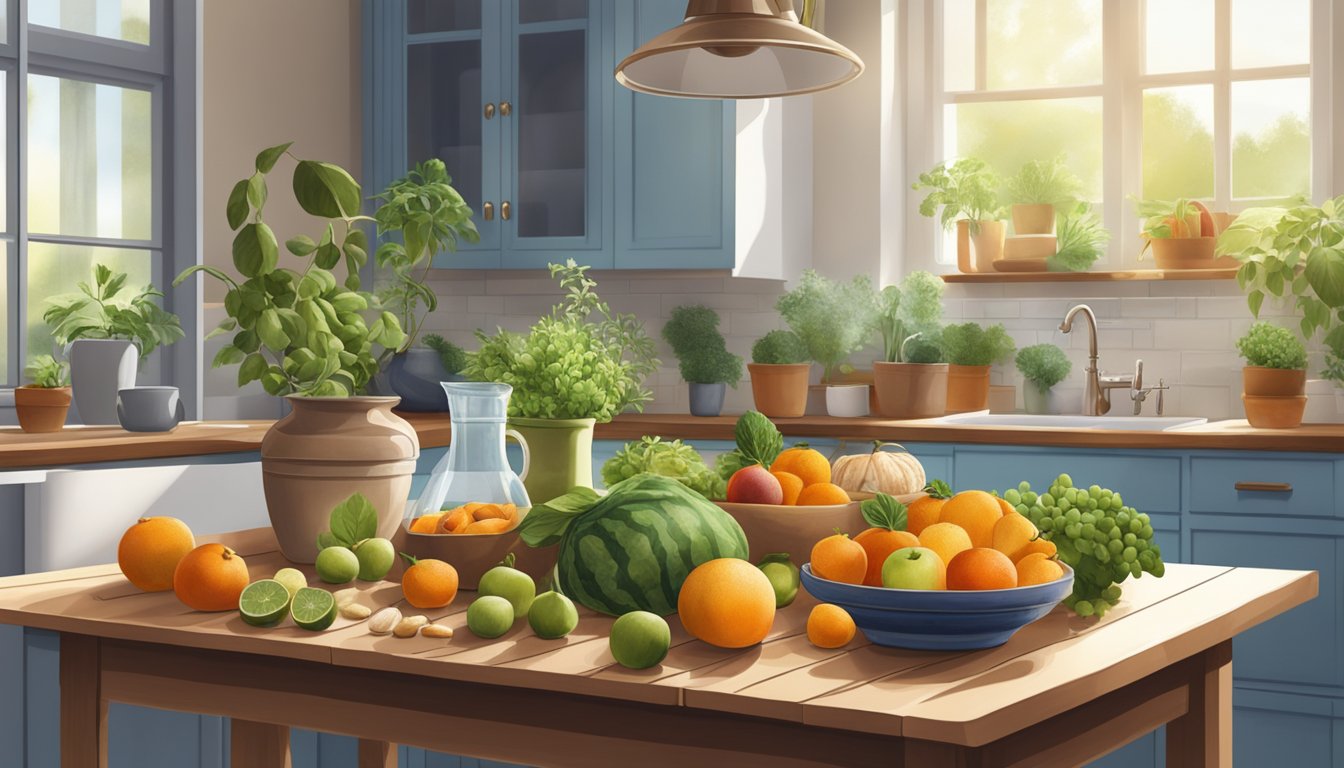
(1042,366)
(41,406)
(1182,234)
(703,357)
(966,191)
(834,320)
(109,330)
(779,374)
(1274,380)
(970,350)
(911,377)
(1038,190)
(1080,239)
(315,341)
(579,365)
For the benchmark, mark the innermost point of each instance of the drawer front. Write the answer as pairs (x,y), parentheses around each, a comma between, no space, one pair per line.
(1263,486)
(1147,483)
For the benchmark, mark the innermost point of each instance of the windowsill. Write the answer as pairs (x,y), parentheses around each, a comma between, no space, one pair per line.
(1087,277)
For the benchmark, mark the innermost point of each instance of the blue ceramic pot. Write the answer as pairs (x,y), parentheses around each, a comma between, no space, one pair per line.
(416,376)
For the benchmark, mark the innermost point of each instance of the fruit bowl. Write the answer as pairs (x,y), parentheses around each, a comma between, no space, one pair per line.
(774,528)
(940,620)
(472,554)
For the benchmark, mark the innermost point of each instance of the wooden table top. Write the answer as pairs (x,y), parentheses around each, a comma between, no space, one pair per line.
(969,698)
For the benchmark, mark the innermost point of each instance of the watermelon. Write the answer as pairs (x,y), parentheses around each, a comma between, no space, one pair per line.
(632,549)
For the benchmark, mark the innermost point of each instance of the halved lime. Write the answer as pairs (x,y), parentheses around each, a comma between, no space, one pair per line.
(313,609)
(264,603)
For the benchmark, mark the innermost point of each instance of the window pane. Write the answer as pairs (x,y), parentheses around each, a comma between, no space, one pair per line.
(442,15)
(1178,142)
(5,380)
(1271,138)
(1178,35)
(1042,43)
(959,45)
(1008,134)
(444,111)
(54,270)
(116,19)
(552,142)
(89,159)
(552,10)
(4,156)
(1268,33)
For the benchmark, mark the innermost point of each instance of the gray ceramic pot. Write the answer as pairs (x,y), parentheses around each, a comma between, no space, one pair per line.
(150,409)
(707,399)
(416,376)
(99,368)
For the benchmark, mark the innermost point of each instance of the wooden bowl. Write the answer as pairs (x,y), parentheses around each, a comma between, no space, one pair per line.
(774,528)
(472,554)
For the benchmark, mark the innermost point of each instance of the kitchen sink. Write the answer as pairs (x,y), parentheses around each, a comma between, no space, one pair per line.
(1123,423)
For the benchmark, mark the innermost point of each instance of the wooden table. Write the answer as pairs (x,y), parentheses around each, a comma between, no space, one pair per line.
(1063,691)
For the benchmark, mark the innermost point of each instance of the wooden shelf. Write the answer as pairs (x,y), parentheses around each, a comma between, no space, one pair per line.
(1089,277)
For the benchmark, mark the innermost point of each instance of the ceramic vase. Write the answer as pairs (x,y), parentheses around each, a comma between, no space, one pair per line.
(562,455)
(99,368)
(707,399)
(416,376)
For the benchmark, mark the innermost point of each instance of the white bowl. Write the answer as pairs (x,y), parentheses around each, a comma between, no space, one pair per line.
(847,400)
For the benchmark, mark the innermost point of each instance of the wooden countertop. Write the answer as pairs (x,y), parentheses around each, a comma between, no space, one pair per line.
(86,445)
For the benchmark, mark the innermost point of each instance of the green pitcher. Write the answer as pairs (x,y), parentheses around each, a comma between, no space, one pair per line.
(562,455)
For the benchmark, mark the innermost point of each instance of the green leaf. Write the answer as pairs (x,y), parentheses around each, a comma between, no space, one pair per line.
(253,367)
(225,325)
(256,191)
(328,256)
(271,333)
(266,158)
(883,511)
(354,520)
(300,245)
(1255,299)
(327,539)
(255,251)
(938,489)
(546,523)
(237,209)
(212,271)
(326,190)
(757,438)
(1325,274)
(227,355)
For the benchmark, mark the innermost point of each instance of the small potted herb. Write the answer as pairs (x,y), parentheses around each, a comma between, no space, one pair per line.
(779,373)
(1182,233)
(1042,366)
(703,357)
(911,377)
(970,350)
(1080,240)
(1274,380)
(42,405)
(967,193)
(1040,188)
(834,320)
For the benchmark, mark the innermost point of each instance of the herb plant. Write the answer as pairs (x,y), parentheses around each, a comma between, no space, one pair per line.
(669,458)
(96,312)
(46,372)
(924,348)
(580,361)
(970,344)
(693,333)
(1080,240)
(1164,219)
(1269,346)
(453,357)
(1048,182)
(833,319)
(1044,365)
(907,312)
(779,348)
(965,189)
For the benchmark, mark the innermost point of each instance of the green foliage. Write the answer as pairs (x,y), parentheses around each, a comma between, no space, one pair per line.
(970,344)
(911,310)
(1269,346)
(298,331)
(693,333)
(924,348)
(1080,240)
(1044,365)
(581,361)
(431,217)
(965,189)
(1044,182)
(759,441)
(779,348)
(46,372)
(833,319)
(1164,219)
(453,357)
(96,312)
(675,459)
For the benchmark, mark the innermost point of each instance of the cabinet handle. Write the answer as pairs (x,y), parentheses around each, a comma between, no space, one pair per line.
(1268,487)
(490,110)
(489,211)
(505,109)
(505,210)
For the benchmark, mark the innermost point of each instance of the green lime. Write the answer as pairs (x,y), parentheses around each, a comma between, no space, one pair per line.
(292,578)
(337,565)
(264,603)
(313,609)
(375,557)
(490,616)
(640,639)
(511,584)
(783,576)
(552,616)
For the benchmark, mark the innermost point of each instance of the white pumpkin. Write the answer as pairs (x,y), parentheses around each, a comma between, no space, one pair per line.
(879,471)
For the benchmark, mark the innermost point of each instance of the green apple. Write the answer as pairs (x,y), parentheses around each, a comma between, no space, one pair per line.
(914,568)
(376,557)
(783,576)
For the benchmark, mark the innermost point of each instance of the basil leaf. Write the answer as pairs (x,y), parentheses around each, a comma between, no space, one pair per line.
(883,511)
(326,539)
(354,520)
(546,523)
(757,438)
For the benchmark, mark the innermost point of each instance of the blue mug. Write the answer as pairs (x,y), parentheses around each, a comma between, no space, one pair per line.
(150,409)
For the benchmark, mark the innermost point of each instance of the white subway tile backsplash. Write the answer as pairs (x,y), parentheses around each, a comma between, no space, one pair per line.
(1191,334)
(1148,307)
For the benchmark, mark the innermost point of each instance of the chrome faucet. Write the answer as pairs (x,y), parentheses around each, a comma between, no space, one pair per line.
(1097,388)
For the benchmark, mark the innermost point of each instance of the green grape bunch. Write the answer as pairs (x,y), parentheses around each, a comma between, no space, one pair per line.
(1104,541)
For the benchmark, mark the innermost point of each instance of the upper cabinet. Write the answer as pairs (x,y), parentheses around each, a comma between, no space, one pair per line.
(558,161)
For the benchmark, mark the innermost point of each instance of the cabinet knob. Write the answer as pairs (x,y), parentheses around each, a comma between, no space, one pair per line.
(505,108)
(490,110)
(488,210)
(505,210)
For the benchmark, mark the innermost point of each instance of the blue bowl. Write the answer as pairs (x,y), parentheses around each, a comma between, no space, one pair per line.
(940,620)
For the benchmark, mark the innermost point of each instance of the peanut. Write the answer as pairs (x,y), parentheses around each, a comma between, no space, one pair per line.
(436,630)
(409,626)
(355,611)
(382,622)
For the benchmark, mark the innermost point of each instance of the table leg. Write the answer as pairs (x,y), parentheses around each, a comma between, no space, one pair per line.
(258,745)
(377,754)
(1202,737)
(83,709)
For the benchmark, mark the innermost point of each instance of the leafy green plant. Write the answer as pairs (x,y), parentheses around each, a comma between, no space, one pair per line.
(298,331)
(97,312)
(758,440)
(1044,365)
(1080,240)
(453,357)
(908,311)
(1268,346)
(1164,219)
(581,361)
(46,372)
(965,189)
(1048,182)
(693,333)
(431,217)
(779,348)
(833,319)
(970,344)
(669,458)
(924,348)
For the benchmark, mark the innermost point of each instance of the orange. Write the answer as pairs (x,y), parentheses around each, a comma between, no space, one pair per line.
(791,484)
(975,511)
(1008,509)
(1037,568)
(210,578)
(493,512)
(151,549)
(878,544)
(429,583)
(840,558)
(981,568)
(923,512)
(809,464)
(426,523)
(1044,546)
(490,525)
(947,539)
(822,494)
(727,602)
(830,626)
(1012,534)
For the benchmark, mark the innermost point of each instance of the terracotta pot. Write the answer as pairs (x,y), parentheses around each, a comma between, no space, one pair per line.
(562,455)
(327,449)
(1274,412)
(967,388)
(1280,382)
(987,244)
(1033,219)
(910,390)
(780,391)
(1183,252)
(472,554)
(964,262)
(42,409)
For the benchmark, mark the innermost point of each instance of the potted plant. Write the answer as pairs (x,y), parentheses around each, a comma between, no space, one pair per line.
(779,373)
(1040,188)
(431,217)
(105,324)
(1274,380)
(970,350)
(911,377)
(833,319)
(1181,233)
(1080,239)
(42,405)
(316,341)
(579,365)
(966,191)
(1042,366)
(703,357)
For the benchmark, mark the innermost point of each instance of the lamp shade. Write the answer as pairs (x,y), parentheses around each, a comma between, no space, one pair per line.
(738,49)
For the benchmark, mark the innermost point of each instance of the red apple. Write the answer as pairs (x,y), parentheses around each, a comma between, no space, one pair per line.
(754,485)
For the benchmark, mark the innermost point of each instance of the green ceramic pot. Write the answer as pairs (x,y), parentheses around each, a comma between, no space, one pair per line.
(562,455)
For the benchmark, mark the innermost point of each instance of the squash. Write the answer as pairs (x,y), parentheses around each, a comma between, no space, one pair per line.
(879,471)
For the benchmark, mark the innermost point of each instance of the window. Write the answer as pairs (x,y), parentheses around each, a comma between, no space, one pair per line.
(1206,99)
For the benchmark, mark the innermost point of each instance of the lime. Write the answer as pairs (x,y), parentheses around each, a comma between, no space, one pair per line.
(490,616)
(264,603)
(376,557)
(292,578)
(511,584)
(337,565)
(783,576)
(313,609)
(552,616)
(640,639)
